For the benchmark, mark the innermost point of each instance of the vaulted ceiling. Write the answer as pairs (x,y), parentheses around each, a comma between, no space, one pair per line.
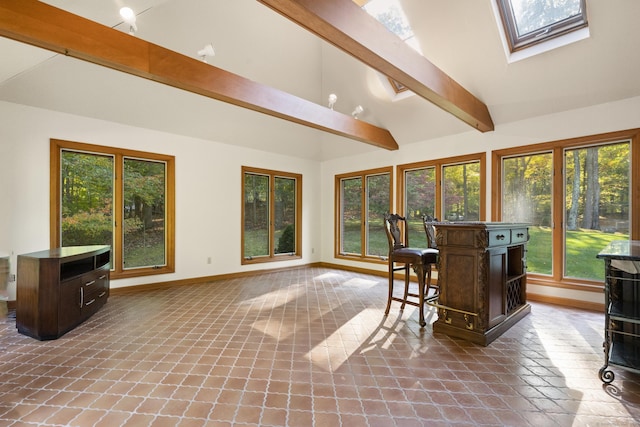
(460,37)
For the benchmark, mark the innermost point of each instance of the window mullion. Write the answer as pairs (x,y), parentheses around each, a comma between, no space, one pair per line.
(272,210)
(118,207)
(363,216)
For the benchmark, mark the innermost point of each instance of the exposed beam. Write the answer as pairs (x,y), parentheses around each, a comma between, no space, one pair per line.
(348,27)
(42,25)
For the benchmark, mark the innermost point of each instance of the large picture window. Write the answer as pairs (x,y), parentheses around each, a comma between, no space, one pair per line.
(271,212)
(109,196)
(577,195)
(362,199)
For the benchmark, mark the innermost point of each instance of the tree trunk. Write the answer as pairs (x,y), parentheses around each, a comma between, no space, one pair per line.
(572,217)
(591,219)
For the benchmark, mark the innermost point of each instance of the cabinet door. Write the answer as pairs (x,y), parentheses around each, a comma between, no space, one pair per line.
(70,304)
(497,298)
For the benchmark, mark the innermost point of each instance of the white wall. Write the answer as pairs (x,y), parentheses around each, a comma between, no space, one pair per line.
(208,189)
(588,121)
(208,181)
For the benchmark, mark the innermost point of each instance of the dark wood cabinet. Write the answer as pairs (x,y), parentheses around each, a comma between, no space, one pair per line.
(622,307)
(482,279)
(60,288)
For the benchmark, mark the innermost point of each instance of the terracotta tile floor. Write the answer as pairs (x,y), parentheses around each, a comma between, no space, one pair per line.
(305,347)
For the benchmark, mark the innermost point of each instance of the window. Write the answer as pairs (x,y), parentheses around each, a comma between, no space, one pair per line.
(597,208)
(526,197)
(529,22)
(448,189)
(362,199)
(577,196)
(461,192)
(271,215)
(121,198)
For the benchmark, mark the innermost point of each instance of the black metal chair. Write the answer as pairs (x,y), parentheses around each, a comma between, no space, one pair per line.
(402,258)
(430,231)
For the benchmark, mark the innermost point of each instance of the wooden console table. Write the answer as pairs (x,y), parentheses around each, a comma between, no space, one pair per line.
(482,277)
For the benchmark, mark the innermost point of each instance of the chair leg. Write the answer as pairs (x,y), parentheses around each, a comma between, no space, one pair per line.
(419,269)
(389,299)
(428,281)
(407,277)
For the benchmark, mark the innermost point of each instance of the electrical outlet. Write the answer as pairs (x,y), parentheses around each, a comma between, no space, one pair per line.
(12,278)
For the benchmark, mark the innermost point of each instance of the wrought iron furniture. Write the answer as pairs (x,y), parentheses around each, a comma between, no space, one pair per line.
(622,307)
(402,257)
(482,278)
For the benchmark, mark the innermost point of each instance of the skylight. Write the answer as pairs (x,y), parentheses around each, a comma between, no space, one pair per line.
(530,22)
(390,14)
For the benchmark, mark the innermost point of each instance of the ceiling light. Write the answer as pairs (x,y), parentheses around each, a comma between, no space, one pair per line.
(332,100)
(130,18)
(358,110)
(206,51)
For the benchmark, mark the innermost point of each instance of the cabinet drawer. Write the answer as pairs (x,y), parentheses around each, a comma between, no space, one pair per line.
(519,235)
(95,286)
(499,237)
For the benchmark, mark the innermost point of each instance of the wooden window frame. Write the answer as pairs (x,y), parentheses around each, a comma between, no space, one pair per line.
(557,148)
(119,154)
(273,257)
(439,164)
(363,256)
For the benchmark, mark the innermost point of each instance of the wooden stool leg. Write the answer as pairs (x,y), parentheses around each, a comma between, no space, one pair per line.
(407,274)
(389,299)
(419,268)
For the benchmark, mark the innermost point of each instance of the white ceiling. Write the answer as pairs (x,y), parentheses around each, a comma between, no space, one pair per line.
(459,36)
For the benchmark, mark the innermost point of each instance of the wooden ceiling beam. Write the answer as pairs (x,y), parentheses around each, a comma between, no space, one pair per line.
(44,26)
(351,29)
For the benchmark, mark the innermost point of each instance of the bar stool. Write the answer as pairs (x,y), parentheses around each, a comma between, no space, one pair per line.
(420,259)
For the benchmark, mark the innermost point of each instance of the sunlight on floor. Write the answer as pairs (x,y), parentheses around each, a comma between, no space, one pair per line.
(331,353)
(360,283)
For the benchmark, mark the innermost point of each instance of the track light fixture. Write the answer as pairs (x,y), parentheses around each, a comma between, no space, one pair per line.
(332,100)
(206,51)
(129,17)
(357,111)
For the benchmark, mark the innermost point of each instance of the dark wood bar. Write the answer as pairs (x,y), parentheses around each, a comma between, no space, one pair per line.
(482,277)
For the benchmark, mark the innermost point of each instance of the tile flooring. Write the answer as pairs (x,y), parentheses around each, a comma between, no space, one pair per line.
(305,347)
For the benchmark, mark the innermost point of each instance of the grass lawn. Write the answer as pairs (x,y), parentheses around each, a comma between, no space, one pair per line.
(581,251)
